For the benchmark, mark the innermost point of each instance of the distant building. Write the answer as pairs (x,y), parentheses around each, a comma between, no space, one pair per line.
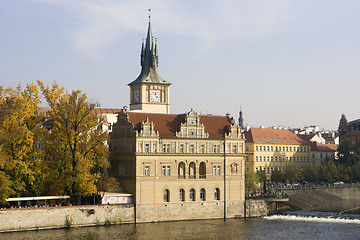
(268,149)
(321,152)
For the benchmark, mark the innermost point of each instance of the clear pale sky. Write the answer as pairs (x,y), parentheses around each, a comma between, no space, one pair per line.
(288,63)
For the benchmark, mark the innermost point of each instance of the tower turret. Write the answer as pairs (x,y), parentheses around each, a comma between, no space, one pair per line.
(149,92)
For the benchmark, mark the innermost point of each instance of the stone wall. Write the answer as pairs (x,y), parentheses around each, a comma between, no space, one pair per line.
(60,217)
(256,208)
(188,211)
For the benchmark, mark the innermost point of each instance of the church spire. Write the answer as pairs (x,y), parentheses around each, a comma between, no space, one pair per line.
(241,120)
(149,60)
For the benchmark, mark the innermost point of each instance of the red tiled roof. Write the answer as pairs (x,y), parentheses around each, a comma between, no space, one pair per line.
(324,147)
(168,124)
(106,110)
(270,135)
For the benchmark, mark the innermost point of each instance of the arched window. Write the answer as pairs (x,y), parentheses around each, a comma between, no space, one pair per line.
(181,170)
(192,194)
(202,170)
(181,195)
(217,194)
(192,170)
(166,195)
(202,194)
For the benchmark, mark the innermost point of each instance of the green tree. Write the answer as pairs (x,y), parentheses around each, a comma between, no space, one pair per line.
(328,171)
(276,176)
(251,181)
(75,147)
(292,174)
(310,173)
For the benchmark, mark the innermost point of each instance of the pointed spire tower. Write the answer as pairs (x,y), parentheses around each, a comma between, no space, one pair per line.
(149,92)
(241,120)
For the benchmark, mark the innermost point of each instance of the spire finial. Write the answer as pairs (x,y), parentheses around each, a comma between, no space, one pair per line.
(149,14)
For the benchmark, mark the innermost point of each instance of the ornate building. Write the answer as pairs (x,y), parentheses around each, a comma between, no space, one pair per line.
(177,166)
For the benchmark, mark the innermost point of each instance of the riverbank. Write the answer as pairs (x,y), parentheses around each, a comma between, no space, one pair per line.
(24,219)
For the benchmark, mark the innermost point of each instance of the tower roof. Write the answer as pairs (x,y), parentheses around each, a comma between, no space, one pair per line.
(149,62)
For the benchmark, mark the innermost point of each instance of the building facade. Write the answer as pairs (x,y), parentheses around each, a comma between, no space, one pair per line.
(268,149)
(177,166)
(349,130)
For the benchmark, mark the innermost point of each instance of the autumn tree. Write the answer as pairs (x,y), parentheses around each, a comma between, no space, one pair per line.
(21,164)
(75,147)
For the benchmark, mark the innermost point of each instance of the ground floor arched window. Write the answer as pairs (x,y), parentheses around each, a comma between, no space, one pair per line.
(202,194)
(166,195)
(181,195)
(217,194)
(192,194)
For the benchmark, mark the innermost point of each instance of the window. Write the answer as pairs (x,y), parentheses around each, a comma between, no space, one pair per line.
(268,159)
(166,195)
(147,147)
(276,149)
(259,148)
(218,170)
(192,194)
(192,170)
(234,148)
(154,147)
(181,170)
(181,195)
(272,158)
(140,147)
(202,194)
(256,148)
(256,158)
(166,148)
(147,170)
(192,148)
(290,159)
(202,148)
(214,148)
(181,148)
(268,170)
(214,170)
(275,159)
(217,194)
(268,148)
(272,148)
(202,170)
(217,148)
(247,158)
(165,171)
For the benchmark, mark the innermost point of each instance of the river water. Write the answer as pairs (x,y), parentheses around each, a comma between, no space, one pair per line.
(305,226)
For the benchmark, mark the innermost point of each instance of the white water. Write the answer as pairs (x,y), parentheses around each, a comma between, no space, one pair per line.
(311,218)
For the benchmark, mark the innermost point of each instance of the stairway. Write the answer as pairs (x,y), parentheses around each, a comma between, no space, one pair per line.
(309,198)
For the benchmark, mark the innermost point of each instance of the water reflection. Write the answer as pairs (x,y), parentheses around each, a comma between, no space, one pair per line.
(255,228)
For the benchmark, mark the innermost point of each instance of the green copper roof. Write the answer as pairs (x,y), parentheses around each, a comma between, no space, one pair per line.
(149,62)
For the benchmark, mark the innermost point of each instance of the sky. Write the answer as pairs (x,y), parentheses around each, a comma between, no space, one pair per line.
(290,63)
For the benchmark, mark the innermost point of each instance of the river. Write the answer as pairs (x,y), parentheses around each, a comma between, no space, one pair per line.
(271,227)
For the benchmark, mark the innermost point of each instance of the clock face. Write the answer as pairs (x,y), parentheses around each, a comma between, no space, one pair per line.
(136,96)
(155,96)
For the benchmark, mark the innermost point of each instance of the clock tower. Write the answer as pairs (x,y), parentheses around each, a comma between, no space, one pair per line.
(149,92)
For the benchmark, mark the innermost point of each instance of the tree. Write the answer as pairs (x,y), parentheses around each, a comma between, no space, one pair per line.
(75,147)
(21,164)
(292,174)
(251,180)
(276,176)
(328,171)
(310,173)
